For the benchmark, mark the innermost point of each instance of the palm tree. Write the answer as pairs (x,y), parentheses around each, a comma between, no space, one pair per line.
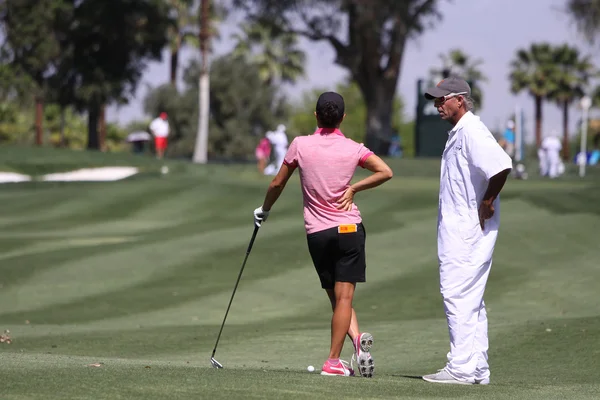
(595,96)
(586,15)
(534,70)
(274,52)
(456,62)
(182,32)
(574,72)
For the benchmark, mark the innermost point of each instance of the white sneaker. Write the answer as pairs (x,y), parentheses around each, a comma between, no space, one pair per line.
(442,376)
(485,381)
(362,355)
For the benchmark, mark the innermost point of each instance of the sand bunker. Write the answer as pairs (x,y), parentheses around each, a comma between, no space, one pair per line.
(93,174)
(104,174)
(9,177)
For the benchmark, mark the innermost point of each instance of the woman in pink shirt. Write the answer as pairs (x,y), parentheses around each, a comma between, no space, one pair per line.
(262,153)
(327,161)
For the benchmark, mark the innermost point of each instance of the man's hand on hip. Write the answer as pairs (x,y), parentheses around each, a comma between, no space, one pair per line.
(486,211)
(260,216)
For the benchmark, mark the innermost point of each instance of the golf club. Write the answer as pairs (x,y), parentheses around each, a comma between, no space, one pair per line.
(214,362)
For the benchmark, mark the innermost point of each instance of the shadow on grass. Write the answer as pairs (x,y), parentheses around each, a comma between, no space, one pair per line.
(419,377)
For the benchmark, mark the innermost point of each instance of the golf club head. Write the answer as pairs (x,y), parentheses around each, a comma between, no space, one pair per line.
(215,363)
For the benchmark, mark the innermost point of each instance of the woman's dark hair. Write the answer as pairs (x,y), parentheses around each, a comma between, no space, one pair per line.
(329,114)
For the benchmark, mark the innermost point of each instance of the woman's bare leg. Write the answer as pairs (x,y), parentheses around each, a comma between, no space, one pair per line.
(343,316)
(353,332)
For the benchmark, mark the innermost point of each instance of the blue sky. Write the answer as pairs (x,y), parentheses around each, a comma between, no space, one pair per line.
(488,29)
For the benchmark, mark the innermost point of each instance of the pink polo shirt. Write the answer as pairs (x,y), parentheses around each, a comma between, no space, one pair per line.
(327,161)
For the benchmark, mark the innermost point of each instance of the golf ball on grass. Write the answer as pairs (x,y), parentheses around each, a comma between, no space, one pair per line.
(310,368)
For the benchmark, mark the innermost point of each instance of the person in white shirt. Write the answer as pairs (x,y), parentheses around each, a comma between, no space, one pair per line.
(279,144)
(160,129)
(474,170)
(542,161)
(551,147)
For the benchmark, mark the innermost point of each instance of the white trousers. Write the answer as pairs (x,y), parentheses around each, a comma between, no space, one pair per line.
(468,328)
(465,263)
(273,168)
(543,162)
(554,163)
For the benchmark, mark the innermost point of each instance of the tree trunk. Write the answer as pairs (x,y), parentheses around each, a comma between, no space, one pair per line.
(62,128)
(102,128)
(201,147)
(378,88)
(379,105)
(538,121)
(376,71)
(93,115)
(174,64)
(566,149)
(39,118)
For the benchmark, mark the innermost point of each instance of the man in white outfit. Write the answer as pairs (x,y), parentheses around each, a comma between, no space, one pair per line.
(474,170)
(279,144)
(552,146)
(543,161)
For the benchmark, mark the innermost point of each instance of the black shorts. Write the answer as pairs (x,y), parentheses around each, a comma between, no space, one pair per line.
(339,256)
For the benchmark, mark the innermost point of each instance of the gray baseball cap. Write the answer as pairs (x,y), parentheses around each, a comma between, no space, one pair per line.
(446,86)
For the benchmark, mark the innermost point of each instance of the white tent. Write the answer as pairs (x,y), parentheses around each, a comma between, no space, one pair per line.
(139,136)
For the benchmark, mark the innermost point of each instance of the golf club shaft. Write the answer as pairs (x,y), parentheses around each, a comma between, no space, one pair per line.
(236,285)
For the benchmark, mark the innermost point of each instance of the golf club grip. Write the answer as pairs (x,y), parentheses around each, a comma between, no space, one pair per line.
(256,227)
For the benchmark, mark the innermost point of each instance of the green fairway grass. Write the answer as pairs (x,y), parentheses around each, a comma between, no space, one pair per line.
(135,276)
